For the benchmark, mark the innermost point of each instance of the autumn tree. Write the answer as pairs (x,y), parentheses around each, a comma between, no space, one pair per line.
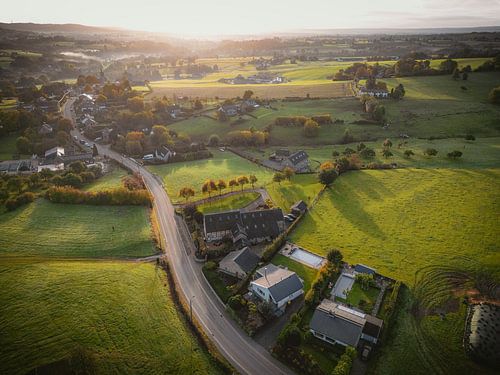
(242,180)
(288,173)
(278,177)
(247,94)
(233,183)
(135,104)
(327,173)
(186,192)
(160,136)
(221,185)
(311,128)
(252,180)
(208,187)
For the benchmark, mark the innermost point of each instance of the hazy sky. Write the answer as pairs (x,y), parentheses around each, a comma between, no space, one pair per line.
(211,17)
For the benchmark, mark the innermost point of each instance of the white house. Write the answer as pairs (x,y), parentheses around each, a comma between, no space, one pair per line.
(163,153)
(276,286)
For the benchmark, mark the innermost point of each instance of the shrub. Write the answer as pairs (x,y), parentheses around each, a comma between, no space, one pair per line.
(311,128)
(235,302)
(214,140)
(454,154)
(322,119)
(120,196)
(22,199)
(367,153)
(344,365)
(273,247)
(290,121)
(470,137)
(430,152)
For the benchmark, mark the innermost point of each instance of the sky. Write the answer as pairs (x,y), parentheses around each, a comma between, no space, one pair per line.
(233,17)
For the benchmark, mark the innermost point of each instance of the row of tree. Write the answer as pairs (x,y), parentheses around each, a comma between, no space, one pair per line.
(210,186)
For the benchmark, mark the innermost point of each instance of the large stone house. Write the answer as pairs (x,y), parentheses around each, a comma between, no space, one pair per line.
(239,263)
(244,228)
(298,161)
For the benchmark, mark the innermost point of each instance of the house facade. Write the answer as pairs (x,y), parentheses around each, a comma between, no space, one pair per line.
(276,286)
(376,93)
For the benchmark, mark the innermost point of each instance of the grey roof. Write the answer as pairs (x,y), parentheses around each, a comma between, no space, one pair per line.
(373,326)
(286,287)
(298,156)
(246,259)
(253,224)
(300,205)
(361,268)
(336,328)
(282,152)
(483,333)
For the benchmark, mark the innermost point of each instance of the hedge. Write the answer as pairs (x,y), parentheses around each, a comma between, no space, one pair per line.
(120,196)
(344,365)
(12,203)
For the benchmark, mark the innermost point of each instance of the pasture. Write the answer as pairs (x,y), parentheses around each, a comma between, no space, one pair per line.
(433,107)
(400,221)
(224,165)
(301,187)
(64,230)
(232,202)
(110,180)
(94,317)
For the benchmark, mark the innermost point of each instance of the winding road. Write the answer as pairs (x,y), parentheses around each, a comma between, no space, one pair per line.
(246,355)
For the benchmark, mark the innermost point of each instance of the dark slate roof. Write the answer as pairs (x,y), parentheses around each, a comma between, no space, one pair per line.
(300,205)
(298,156)
(285,287)
(246,260)
(163,151)
(373,326)
(253,224)
(336,328)
(221,221)
(361,268)
(282,152)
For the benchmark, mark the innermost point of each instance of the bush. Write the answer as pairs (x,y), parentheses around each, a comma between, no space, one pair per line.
(236,302)
(322,119)
(211,266)
(273,248)
(22,199)
(470,137)
(120,196)
(214,140)
(344,365)
(431,152)
(454,154)
(290,121)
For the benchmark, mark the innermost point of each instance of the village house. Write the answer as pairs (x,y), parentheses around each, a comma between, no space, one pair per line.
(276,286)
(239,263)
(335,323)
(244,228)
(298,161)
(298,208)
(54,153)
(230,109)
(45,129)
(163,153)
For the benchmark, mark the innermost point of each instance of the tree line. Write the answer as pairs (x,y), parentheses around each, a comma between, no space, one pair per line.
(210,186)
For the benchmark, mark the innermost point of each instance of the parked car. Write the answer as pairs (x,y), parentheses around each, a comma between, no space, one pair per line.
(82,142)
(365,353)
(148,157)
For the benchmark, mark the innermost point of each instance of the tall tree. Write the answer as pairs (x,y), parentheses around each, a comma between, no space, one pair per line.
(252,179)
(221,185)
(186,192)
(288,173)
(242,180)
(208,186)
(233,183)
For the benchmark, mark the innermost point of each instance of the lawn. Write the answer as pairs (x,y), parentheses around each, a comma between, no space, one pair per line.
(356,295)
(301,187)
(119,316)
(232,202)
(59,230)
(307,274)
(8,148)
(110,180)
(400,221)
(224,165)
(215,280)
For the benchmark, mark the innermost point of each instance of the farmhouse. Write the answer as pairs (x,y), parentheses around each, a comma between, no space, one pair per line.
(239,263)
(298,161)
(277,286)
(338,324)
(163,153)
(45,129)
(244,228)
(298,208)
(230,109)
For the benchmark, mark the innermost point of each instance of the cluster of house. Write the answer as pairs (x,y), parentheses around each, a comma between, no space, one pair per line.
(50,104)
(374,92)
(231,110)
(161,154)
(259,78)
(298,160)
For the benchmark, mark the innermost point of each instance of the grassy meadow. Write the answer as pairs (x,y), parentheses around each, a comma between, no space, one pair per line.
(232,202)
(400,221)
(301,187)
(225,165)
(102,316)
(433,107)
(58,230)
(110,180)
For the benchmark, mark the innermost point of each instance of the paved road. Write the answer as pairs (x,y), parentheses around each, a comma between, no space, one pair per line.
(247,356)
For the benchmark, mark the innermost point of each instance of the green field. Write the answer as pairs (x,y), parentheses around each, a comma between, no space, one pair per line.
(119,316)
(232,202)
(110,180)
(58,230)
(481,153)
(399,221)
(433,107)
(301,187)
(307,274)
(225,165)
(8,148)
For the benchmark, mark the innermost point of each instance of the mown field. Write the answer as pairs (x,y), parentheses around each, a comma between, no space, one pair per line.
(433,107)
(58,230)
(94,317)
(110,180)
(399,221)
(232,202)
(225,165)
(300,187)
